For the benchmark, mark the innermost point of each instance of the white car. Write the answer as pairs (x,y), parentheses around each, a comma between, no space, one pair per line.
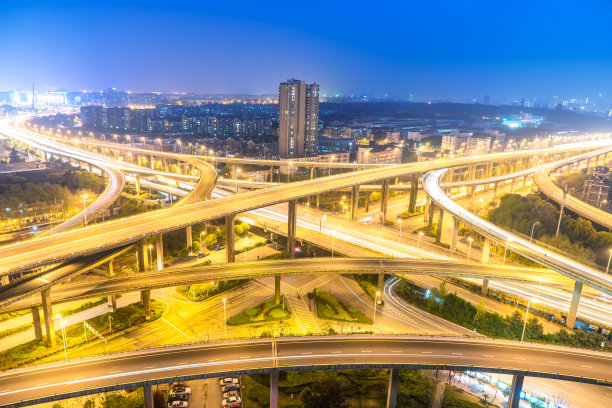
(180,390)
(231,400)
(228,380)
(178,404)
(233,393)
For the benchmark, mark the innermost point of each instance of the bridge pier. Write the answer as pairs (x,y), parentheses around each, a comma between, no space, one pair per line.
(159,251)
(515,391)
(393,383)
(148,396)
(495,189)
(486,249)
(137,184)
(141,253)
(274,389)
(432,210)
(5,280)
(573,310)
(439,228)
(152,163)
(38,334)
(48,313)
(189,237)
(384,197)
(354,202)
(112,299)
(512,185)
(414,189)
(230,255)
(277,290)
(291,227)
(454,235)
(145,300)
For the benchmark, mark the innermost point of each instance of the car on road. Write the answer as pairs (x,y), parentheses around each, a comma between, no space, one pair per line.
(229,380)
(231,400)
(178,404)
(230,387)
(180,390)
(232,393)
(203,254)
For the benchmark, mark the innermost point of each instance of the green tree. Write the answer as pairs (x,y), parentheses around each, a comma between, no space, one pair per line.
(159,399)
(514,325)
(195,246)
(326,393)
(211,239)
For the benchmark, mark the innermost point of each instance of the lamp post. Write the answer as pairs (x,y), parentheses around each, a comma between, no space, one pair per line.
(374,319)
(399,238)
(470,239)
(525,322)
(333,240)
(609,259)
(225,319)
(84,196)
(505,250)
(532,228)
(419,241)
(59,317)
(323,218)
(237,172)
(110,323)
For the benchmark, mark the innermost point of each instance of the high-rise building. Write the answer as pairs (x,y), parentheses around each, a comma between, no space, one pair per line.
(298,118)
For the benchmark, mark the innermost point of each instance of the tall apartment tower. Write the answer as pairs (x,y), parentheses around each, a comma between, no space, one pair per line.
(298,118)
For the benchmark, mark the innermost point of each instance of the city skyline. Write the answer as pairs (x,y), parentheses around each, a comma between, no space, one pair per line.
(460,54)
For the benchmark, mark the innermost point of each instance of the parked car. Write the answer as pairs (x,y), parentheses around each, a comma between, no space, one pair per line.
(203,254)
(230,387)
(180,390)
(228,380)
(178,404)
(232,393)
(231,400)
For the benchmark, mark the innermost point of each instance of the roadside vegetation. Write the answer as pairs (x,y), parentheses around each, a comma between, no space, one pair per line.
(268,311)
(330,308)
(202,291)
(451,307)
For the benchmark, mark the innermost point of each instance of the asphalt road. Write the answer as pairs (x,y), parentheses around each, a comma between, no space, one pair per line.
(27,386)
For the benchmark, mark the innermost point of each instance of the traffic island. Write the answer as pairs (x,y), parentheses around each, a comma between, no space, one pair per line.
(202,291)
(266,312)
(330,308)
(76,335)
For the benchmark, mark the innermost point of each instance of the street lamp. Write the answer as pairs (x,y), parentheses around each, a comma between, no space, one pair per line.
(237,172)
(59,317)
(180,145)
(532,228)
(225,319)
(609,259)
(399,238)
(333,240)
(525,322)
(323,218)
(470,239)
(505,250)
(419,241)
(84,196)
(374,319)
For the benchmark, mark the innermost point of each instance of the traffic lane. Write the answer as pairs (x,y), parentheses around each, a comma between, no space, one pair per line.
(87,374)
(491,354)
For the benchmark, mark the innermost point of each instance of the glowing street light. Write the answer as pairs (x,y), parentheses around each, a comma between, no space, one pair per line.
(399,238)
(419,241)
(59,317)
(150,256)
(84,196)
(526,314)
(532,227)
(470,239)
(323,218)
(374,319)
(505,251)
(609,259)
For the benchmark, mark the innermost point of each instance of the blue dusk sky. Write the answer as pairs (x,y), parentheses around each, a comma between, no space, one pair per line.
(435,49)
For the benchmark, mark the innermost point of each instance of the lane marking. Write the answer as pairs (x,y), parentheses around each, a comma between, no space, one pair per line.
(336,352)
(396,351)
(425,352)
(176,328)
(586,366)
(114,372)
(519,358)
(245,357)
(306,352)
(487,355)
(457,354)
(149,367)
(366,351)
(553,362)
(214,359)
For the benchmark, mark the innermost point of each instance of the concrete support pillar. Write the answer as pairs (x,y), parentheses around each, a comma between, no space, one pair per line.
(48,313)
(152,163)
(141,252)
(291,227)
(271,173)
(384,197)
(5,280)
(274,389)
(277,290)
(145,300)
(485,287)
(159,251)
(432,210)
(515,391)
(573,310)
(495,189)
(148,396)
(112,299)
(512,185)
(38,334)
(455,235)
(318,195)
(486,250)
(137,184)
(393,383)
(230,255)
(524,180)
(312,172)
(188,236)
(367,206)
(354,202)
(439,229)
(414,189)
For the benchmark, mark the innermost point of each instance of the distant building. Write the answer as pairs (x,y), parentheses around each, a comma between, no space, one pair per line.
(379,154)
(335,145)
(298,118)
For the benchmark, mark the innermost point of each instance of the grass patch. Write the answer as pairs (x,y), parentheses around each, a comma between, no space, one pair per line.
(123,318)
(278,255)
(268,311)
(367,284)
(15,330)
(408,214)
(457,398)
(202,291)
(10,315)
(84,306)
(329,307)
